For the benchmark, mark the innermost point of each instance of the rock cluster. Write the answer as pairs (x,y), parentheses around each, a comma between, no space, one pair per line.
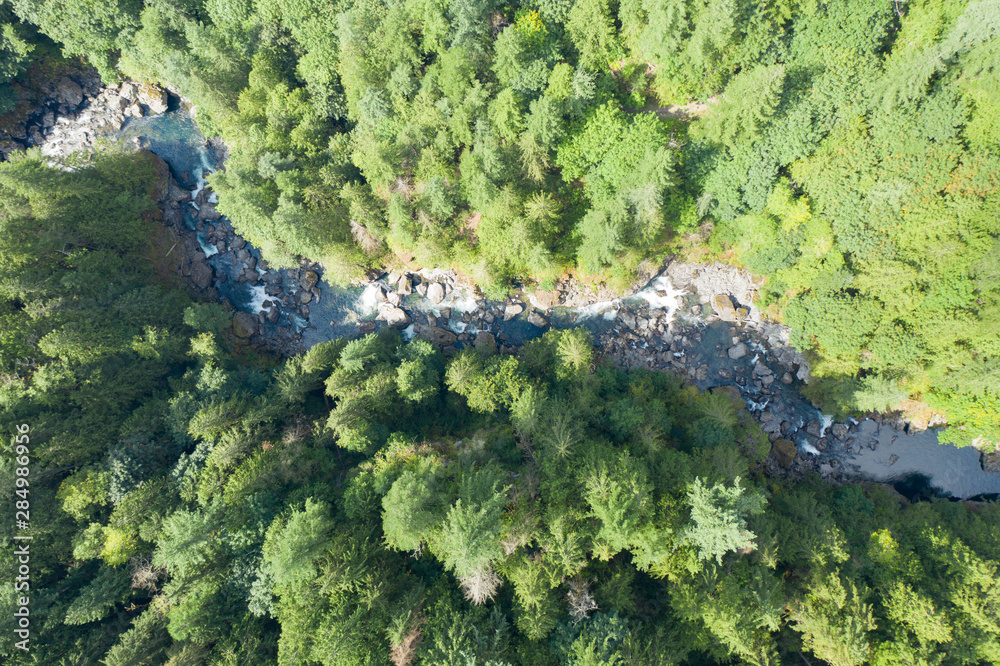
(73,112)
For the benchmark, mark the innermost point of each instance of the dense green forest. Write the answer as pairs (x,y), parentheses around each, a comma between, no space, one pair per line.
(374,502)
(849,151)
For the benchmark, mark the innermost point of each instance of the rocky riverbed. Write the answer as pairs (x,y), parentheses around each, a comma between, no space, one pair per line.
(698,321)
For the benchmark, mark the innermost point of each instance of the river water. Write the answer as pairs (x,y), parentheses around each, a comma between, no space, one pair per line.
(874,452)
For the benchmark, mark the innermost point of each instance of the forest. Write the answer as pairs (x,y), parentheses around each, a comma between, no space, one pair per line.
(195,501)
(847,151)
(373,502)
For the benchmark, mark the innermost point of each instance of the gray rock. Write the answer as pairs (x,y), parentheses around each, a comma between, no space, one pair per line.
(839,430)
(207,212)
(437,336)
(486,342)
(244,324)
(991,462)
(538,320)
(627,318)
(892,460)
(814,428)
(130,90)
(701,374)
(403,286)
(69,92)
(767,380)
(512,311)
(116,103)
(761,369)
(178,194)
(786,378)
(723,306)
(546,299)
(435,292)
(393,298)
(153,97)
(272,315)
(738,351)
(201,272)
(309,280)
(393,316)
(48,119)
(422,289)
(238,243)
(305,297)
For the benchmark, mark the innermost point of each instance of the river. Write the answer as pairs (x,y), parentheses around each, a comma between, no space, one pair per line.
(675,329)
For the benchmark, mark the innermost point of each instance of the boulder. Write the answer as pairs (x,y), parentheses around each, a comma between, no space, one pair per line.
(393,298)
(486,342)
(738,351)
(437,336)
(627,318)
(784,452)
(153,97)
(538,320)
(68,92)
(422,289)
(403,286)
(207,212)
(786,378)
(435,292)
(760,369)
(178,193)
(991,462)
(305,297)
(723,306)
(309,280)
(117,103)
(238,243)
(130,90)
(546,300)
(839,430)
(201,273)
(814,428)
(512,311)
(390,314)
(244,324)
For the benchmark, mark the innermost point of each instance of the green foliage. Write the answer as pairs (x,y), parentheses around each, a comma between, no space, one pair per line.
(99,597)
(718,518)
(849,156)
(835,620)
(487,384)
